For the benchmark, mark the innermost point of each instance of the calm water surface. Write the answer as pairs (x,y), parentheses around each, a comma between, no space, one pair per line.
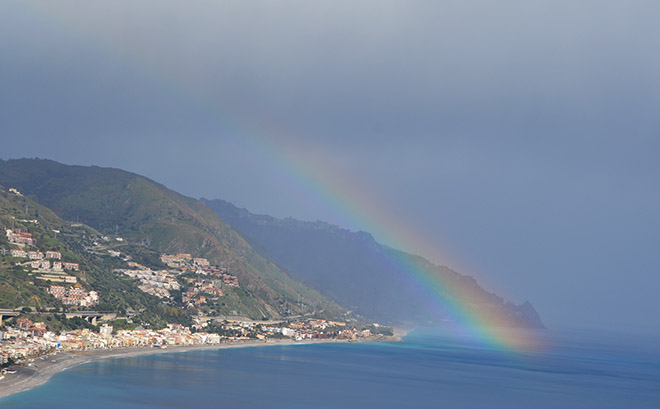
(431,369)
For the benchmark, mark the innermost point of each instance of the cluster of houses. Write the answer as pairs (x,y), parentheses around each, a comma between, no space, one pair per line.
(229,280)
(313,329)
(38,259)
(49,267)
(29,340)
(154,282)
(74,295)
(186,263)
(303,330)
(20,238)
(50,260)
(198,290)
(49,263)
(174,334)
(22,340)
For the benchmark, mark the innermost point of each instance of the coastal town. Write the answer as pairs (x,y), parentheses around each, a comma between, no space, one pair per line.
(23,341)
(69,276)
(198,281)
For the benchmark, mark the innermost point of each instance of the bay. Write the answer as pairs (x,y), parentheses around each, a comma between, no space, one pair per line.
(432,368)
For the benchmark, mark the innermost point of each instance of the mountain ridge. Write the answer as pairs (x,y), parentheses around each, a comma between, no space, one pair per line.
(315,251)
(285,266)
(147,213)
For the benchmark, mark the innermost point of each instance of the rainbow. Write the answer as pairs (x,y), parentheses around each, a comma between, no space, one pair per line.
(322,183)
(487,328)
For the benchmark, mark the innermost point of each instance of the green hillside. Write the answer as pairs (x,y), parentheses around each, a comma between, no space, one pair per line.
(20,287)
(153,219)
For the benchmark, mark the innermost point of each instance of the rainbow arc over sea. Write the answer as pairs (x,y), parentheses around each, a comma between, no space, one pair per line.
(491,328)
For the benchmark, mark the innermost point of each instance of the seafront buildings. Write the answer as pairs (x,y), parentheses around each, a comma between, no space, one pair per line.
(27,340)
(22,343)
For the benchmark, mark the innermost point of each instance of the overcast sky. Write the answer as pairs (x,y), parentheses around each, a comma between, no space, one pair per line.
(521,138)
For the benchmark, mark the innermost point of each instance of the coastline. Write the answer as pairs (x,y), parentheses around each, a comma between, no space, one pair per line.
(44,367)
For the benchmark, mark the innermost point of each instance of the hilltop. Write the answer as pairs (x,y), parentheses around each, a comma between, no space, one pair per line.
(151,220)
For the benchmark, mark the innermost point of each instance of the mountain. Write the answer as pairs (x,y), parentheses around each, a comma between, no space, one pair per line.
(356,271)
(150,217)
(284,267)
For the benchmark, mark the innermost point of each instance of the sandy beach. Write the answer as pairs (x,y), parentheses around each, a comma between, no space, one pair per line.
(44,367)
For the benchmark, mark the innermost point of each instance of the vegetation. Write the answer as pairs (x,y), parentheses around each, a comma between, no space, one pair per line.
(57,322)
(90,214)
(10,362)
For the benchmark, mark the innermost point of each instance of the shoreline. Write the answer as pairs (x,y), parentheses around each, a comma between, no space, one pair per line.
(46,366)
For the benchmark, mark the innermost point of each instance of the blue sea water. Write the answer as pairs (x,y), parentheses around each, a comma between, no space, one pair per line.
(431,369)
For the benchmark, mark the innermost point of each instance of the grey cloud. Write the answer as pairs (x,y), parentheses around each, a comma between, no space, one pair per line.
(524,133)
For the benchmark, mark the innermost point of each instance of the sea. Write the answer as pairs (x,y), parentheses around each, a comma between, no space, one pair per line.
(431,368)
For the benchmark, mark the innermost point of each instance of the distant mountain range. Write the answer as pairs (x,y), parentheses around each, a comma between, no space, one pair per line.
(356,271)
(285,267)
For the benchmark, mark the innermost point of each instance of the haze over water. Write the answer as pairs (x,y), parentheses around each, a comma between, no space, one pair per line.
(431,369)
